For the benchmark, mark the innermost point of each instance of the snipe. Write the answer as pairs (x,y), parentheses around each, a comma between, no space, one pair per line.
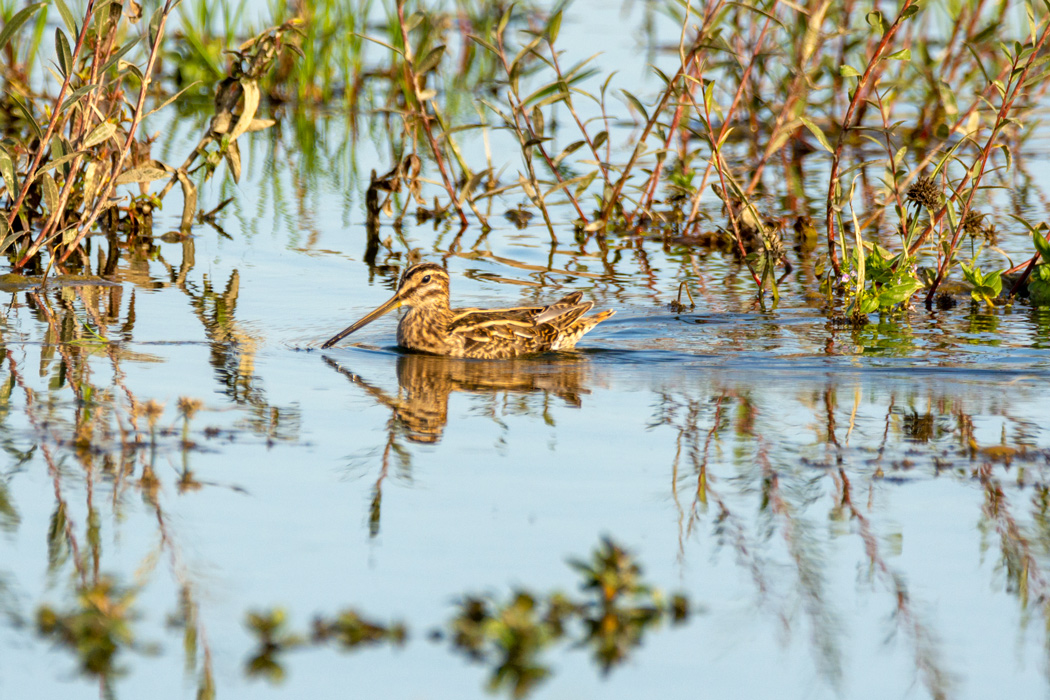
(497,334)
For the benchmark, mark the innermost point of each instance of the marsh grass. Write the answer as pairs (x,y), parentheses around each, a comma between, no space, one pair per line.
(83,142)
(754,87)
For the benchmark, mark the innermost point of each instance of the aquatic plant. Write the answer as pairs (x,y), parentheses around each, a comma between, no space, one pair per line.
(943,125)
(59,175)
(612,617)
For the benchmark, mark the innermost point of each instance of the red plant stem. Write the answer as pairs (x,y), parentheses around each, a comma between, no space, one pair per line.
(1024,275)
(51,126)
(426,117)
(576,117)
(518,107)
(78,130)
(122,155)
(614,196)
(728,115)
(1028,266)
(1008,100)
(720,169)
(858,93)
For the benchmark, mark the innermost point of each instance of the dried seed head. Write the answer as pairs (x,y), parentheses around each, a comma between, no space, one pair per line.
(188,407)
(925,193)
(990,234)
(774,244)
(973,223)
(153,411)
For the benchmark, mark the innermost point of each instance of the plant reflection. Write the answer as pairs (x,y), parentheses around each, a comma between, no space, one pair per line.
(89,428)
(782,476)
(725,467)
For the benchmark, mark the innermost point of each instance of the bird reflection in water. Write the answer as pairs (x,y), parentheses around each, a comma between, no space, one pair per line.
(425,383)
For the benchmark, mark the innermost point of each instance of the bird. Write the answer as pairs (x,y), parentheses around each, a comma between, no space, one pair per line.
(432,327)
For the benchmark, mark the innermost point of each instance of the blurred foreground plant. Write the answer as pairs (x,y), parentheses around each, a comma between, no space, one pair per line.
(97,629)
(612,616)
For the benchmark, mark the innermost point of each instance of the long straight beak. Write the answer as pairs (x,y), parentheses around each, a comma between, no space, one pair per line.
(388,306)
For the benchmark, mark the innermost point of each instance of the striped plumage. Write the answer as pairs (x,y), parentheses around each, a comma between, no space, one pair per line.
(431,326)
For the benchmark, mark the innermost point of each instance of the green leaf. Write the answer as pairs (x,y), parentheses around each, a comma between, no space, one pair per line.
(50,192)
(67,17)
(568,150)
(119,53)
(877,21)
(16,22)
(1038,284)
(985,287)
(431,60)
(7,170)
(504,20)
(951,108)
(484,43)
(553,27)
(77,95)
(816,131)
(994,281)
(557,87)
(6,237)
(1042,245)
(902,55)
(37,131)
(154,24)
(99,134)
(585,182)
(63,53)
(588,178)
(637,104)
(61,160)
(1030,15)
(757,10)
(144,173)
(848,71)
(1007,153)
(551,99)
(971,275)
(890,295)
(709,97)
(898,157)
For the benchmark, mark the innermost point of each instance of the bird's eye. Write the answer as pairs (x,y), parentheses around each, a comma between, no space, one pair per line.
(426,279)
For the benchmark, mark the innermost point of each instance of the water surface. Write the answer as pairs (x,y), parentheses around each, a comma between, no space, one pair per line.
(851,512)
